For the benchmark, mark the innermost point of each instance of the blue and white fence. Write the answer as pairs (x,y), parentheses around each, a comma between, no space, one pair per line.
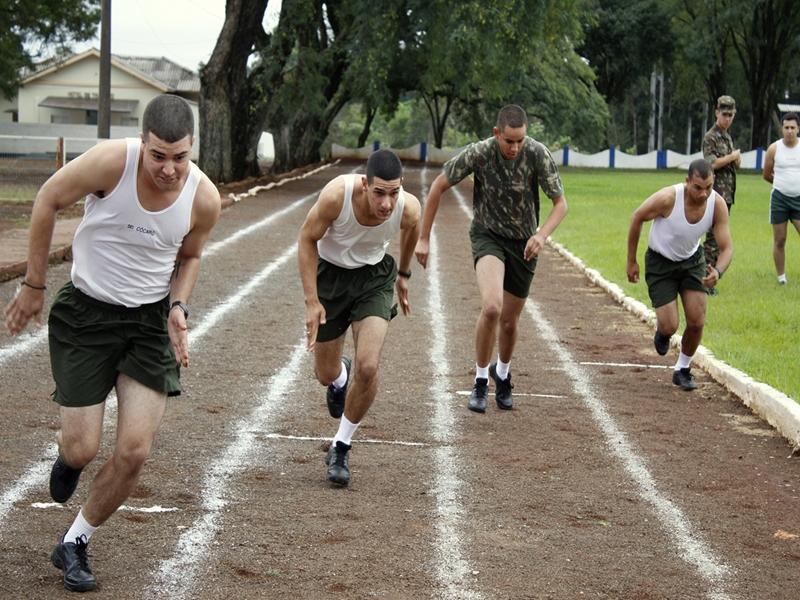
(611,158)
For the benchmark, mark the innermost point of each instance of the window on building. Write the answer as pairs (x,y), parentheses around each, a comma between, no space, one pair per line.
(91,117)
(59,119)
(129,121)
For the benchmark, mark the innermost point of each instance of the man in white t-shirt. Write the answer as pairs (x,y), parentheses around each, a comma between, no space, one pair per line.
(674,262)
(782,170)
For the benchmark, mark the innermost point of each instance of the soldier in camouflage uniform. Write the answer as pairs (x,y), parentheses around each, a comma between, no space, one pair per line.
(719,151)
(508,169)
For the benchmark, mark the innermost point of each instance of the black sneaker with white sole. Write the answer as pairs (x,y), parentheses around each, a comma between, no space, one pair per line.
(73,559)
(336,395)
(661,342)
(338,461)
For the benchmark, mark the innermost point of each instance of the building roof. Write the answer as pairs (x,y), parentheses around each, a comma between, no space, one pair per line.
(159,72)
(120,106)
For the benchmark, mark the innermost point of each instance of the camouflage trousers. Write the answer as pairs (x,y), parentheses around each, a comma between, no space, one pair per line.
(710,248)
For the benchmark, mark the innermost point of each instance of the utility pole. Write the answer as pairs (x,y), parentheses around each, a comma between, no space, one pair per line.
(104,98)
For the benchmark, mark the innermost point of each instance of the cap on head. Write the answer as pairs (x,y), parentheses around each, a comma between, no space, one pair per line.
(726,105)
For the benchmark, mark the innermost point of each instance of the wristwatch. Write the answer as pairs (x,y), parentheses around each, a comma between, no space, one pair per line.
(184,308)
(405,274)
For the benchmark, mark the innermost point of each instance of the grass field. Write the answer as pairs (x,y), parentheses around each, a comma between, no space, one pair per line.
(753,323)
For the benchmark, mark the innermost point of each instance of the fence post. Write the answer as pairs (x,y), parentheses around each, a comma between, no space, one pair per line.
(759,155)
(566,156)
(611,157)
(59,153)
(423,152)
(376,146)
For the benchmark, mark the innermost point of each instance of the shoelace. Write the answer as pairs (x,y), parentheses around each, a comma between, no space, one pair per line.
(81,551)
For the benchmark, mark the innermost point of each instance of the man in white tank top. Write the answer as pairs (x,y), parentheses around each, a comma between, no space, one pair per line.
(674,261)
(148,213)
(782,170)
(348,279)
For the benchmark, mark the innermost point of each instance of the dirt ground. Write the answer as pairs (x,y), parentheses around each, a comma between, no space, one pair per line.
(605,481)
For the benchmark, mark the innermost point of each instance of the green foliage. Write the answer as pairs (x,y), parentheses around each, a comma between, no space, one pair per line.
(753,324)
(31,28)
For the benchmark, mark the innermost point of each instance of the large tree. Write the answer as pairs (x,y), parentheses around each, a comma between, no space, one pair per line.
(766,36)
(31,29)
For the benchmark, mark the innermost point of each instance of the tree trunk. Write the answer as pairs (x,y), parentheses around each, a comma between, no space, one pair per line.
(222,83)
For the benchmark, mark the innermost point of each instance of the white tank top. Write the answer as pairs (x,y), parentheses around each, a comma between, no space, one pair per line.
(786,172)
(674,237)
(124,254)
(349,244)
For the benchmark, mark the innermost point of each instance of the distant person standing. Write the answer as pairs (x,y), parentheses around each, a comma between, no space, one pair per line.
(509,168)
(348,281)
(674,262)
(120,323)
(718,149)
(782,170)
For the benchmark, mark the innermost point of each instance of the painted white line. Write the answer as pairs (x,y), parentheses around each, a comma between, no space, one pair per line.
(24,344)
(450,566)
(32,478)
(305,438)
(146,509)
(177,575)
(632,365)
(692,548)
(557,396)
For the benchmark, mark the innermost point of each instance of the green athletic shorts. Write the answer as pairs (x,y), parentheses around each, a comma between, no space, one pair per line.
(91,342)
(783,208)
(352,294)
(518,271)
(665,277)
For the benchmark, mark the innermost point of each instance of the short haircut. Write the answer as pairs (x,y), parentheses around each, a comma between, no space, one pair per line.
(790,116)
(702,168)
(511,116)
(384,164)
(169,118)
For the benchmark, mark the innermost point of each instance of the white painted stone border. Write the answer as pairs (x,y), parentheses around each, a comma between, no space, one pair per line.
(775,407)
(262,188)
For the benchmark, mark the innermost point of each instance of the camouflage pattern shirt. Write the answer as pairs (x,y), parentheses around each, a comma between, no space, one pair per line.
(505,196)
(718,143)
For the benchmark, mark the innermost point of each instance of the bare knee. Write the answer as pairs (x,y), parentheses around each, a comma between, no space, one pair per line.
(367,370)
(77,451)
(491,311)
(131,456)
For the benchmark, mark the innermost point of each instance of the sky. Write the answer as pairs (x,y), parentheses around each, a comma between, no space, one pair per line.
(184,31)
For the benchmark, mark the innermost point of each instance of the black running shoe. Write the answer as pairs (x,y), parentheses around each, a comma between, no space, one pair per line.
(661,342)
(683,378)
(503,387)
(480,393)
(63,481)
(338,461)
(336,396)
(73,559)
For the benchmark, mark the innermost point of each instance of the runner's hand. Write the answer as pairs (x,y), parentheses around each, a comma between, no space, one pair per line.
(26,303)
(422,251)
(179,335)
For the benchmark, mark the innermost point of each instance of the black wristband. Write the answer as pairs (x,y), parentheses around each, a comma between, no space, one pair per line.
(404,274)
(184,308)
(33,287)
(719,273)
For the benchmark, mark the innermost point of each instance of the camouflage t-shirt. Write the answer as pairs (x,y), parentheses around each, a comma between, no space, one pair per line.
(718,143)
(506,192)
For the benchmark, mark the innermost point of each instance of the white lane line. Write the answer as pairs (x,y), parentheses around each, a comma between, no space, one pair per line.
(24,344)
(630,365)
(143,509)
(451,568)
(692,548)
(32,478)
(516,393)
(306,438)
(212,249)
(177,575)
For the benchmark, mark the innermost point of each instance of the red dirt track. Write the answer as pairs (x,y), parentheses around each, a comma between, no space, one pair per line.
(605,481)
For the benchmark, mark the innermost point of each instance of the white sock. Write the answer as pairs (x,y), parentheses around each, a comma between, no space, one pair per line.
(341,380)
(481,372)
(782,278)
(79,527)
(683,362)
(502,369)
(346,431)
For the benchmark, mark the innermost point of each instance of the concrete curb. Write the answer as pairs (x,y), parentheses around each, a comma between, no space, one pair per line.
(775,407)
